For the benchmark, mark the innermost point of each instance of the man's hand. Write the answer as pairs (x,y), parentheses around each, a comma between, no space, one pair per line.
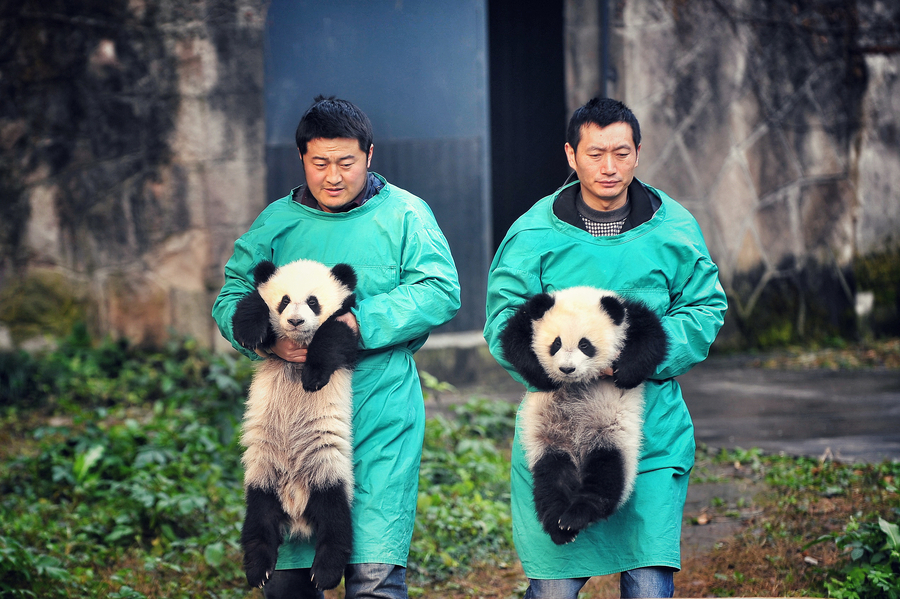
(350,320)
(289,351)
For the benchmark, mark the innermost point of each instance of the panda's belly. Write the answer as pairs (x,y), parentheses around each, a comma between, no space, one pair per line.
(577,420)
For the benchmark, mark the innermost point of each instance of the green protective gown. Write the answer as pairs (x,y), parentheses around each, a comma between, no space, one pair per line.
(407,286)
(665,264)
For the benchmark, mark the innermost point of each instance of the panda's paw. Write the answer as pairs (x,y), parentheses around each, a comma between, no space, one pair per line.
(562,536)
(582,513)
(258,573)
(328,569)
(313,379)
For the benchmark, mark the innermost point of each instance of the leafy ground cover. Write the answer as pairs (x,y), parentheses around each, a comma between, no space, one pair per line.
(120,477)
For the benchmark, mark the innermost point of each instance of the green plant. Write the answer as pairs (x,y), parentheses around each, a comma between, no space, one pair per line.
(873,571)
(463,517)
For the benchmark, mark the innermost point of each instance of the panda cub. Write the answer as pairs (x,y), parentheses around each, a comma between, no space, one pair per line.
(582,432)
(298,464)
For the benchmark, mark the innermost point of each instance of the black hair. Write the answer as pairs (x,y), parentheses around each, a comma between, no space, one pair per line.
(330,118)
(602,112)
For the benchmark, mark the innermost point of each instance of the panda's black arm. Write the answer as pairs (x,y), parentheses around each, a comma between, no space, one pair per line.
(645,347)
(333,346)
(515,341)
(250,323)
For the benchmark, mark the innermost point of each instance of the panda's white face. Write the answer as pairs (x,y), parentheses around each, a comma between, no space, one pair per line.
(301,296)
(576,340)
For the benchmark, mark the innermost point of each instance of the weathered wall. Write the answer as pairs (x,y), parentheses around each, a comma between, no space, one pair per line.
(131,157)
(776,123)
(132,140)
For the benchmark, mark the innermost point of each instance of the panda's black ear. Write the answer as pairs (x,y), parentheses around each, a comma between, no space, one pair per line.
(263,271)
(345,274)
(538,305)
(645,347)
(614,308)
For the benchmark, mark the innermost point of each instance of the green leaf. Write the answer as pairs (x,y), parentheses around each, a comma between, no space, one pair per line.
(85,461)
(892,531)
(214,554)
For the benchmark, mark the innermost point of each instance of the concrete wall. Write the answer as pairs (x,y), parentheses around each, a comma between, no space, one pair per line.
(132,151)
(775,123)
(131,157)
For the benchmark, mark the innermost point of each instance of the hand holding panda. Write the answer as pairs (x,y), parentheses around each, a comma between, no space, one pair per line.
(297,424)
(581,430)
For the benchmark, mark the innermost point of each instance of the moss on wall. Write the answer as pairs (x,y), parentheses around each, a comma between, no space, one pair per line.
(41,303)
(810,306)
(879,273)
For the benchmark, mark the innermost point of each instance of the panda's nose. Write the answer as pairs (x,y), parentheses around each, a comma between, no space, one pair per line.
(295,322)
(567,369)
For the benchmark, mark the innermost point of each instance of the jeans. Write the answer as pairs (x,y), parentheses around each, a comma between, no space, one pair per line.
(361,581)
(639,583)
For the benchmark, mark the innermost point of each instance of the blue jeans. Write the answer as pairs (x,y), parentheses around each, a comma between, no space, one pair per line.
(639,583)
(361,581)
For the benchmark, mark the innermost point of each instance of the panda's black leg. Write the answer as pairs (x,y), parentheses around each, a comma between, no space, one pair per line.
(328,512)
(261,535)
(555,483)
(603,482)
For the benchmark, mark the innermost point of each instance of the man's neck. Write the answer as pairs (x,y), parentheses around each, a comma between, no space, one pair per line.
(601,205)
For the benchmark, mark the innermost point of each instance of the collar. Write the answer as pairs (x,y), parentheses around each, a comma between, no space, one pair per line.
(643,205)
(373,186)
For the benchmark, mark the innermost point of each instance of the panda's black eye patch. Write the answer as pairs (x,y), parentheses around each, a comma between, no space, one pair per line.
(555,346)
(285,302)
(313,303)
(587,348)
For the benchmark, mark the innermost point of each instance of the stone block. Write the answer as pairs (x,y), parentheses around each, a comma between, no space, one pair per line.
(732,203)
(42,235)
(825,218)
(136,307)
(776,225)
(772,162)
(197,66)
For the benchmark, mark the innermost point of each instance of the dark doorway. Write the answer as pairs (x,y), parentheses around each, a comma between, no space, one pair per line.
(527,108)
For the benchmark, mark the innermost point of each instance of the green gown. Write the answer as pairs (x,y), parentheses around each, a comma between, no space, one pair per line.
(407,286)
(664,263)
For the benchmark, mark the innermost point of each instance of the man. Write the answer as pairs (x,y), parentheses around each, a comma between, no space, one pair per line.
(606,229)
(407,286)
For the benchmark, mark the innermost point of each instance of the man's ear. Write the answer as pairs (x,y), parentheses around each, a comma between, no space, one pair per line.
(570,155)
(369,159)
(637,155)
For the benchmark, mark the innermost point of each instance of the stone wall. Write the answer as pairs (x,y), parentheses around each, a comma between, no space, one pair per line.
(132,141)
(776,123)
(131,157)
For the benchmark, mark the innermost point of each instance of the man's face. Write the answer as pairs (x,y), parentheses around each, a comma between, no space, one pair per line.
(605,162)
(336,171)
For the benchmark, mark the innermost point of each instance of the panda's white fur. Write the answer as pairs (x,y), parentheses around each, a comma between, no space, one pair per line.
(582,430)
(297,435)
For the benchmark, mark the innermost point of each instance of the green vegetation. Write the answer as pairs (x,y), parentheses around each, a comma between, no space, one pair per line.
(879,273)
(874,568)
(818,528)
(120,476)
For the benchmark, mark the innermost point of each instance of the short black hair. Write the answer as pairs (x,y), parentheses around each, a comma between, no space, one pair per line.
(602,112)
(330,118)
